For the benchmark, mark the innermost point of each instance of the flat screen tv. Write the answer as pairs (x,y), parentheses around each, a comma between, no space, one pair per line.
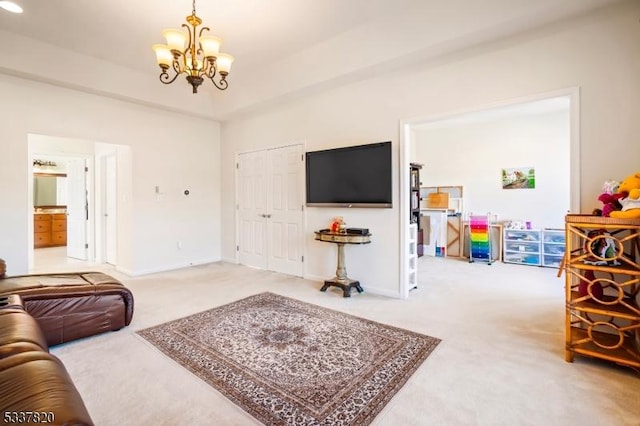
(353,176)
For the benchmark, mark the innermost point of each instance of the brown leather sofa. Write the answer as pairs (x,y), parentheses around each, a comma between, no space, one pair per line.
(35,387)
(37,311)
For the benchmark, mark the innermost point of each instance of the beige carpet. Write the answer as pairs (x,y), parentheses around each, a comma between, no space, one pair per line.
(500,362)
(289,362)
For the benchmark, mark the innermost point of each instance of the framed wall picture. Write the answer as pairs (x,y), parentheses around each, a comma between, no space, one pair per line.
(519,178)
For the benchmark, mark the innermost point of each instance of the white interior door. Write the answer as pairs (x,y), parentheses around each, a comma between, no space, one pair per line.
(270,209)
(77,209)
(285,210)
(110,211)
(252,169)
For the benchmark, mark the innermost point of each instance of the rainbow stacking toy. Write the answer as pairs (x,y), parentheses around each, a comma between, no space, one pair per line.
(480,243)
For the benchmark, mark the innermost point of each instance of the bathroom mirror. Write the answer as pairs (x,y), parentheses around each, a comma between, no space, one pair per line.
(49,190)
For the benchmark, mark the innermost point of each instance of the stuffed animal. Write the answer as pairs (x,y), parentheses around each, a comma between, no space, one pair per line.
(610,203)
(630,203)
(609,198)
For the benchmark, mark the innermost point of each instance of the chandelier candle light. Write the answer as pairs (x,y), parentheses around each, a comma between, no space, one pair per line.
(200,58)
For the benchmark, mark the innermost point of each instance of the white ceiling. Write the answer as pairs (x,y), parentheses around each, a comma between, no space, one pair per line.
(283,48)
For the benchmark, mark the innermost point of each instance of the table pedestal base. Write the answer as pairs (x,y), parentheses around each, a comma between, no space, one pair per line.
(346,285)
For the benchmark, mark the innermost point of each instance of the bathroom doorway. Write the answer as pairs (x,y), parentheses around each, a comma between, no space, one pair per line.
(87,210)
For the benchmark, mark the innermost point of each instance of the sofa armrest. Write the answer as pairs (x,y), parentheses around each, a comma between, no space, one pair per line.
(37,382)
(19,332)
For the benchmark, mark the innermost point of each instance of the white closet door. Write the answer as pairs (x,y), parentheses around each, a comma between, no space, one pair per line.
(285,210)
(270,209)
(252,244)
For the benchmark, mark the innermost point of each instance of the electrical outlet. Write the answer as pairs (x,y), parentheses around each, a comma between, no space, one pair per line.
(179,245)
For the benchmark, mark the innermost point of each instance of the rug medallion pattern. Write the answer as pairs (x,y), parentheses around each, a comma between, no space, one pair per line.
(289,362)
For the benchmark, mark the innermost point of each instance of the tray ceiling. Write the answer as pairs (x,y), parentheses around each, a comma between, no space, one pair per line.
(283,48)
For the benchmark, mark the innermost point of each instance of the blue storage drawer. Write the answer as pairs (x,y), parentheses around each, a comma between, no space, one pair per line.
(553,247)
(522,258)
(557,237)
(522,246)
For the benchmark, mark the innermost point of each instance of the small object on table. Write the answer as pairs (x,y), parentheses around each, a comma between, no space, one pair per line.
(338,224)
(341,279)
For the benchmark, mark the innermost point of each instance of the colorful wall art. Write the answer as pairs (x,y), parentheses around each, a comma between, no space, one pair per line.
(519,178)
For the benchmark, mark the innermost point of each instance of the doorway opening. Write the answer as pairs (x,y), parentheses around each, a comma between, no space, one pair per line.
(77,226)
(410,130)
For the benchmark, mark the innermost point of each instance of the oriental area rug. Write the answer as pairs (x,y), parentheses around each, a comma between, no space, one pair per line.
(288,362)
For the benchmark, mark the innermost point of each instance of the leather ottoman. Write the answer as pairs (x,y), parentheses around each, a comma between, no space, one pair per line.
(72,306)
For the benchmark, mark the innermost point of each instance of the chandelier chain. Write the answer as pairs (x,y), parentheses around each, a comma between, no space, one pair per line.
(193,12)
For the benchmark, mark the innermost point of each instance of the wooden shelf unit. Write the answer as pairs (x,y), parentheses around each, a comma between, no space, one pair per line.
(455,238)
(412,252)
(602,300)
(415,200)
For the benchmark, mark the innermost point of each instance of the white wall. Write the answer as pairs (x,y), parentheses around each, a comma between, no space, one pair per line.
(597,52)
(473,155)
(170,150)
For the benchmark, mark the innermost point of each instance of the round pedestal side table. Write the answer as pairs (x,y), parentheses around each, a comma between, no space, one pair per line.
(340,239)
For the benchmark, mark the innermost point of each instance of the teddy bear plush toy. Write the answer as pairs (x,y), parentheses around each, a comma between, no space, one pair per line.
(631,203)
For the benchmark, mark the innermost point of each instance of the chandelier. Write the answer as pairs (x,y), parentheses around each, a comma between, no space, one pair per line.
(194,54)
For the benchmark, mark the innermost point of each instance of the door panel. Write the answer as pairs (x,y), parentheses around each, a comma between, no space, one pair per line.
(110,210)
(251,209)
(77,209)
(286,238)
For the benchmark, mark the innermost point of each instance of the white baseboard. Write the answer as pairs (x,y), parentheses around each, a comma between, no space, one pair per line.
(310,277)
(314,278)
(124,271)
(383,292)
(171,267)
(367,289)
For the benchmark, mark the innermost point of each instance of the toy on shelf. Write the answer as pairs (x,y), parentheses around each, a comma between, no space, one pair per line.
(631,202)
(479,238)
(620,200)
(610,198)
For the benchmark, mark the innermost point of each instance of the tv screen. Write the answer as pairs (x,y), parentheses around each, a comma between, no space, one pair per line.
(354,176)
